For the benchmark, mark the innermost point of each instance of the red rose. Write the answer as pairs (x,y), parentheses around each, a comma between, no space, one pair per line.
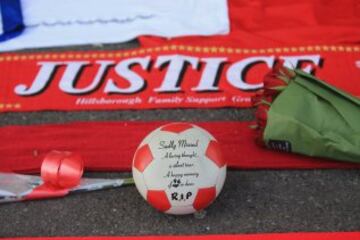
(261,115)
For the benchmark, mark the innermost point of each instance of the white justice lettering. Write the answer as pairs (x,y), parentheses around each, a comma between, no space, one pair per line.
(211,75)
(68,80)
(175,70)
(175,66)
(41,80)
(235,74)
(123,69)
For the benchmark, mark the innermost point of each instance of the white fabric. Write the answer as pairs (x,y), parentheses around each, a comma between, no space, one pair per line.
(71,22)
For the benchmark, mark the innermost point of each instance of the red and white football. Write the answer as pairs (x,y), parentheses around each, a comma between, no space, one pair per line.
(179,169)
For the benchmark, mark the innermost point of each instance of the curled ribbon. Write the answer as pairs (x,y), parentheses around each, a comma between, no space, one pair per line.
(60,171)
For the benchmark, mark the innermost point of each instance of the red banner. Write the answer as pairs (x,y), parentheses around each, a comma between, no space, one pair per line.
(161,77)
(110,146)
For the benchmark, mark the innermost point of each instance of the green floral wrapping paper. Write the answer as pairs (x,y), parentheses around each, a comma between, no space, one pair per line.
(302,114)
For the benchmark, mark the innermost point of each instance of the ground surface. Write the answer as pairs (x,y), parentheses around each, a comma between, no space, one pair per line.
(251,201)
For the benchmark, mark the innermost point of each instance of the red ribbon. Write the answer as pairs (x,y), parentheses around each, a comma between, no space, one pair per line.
(60,172)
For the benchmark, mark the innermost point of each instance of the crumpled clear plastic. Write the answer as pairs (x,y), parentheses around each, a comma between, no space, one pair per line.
(15,187)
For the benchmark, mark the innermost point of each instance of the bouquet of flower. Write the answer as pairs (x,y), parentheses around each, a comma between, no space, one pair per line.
(296,112)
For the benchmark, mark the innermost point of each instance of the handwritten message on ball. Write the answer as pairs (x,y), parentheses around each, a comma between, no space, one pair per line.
(182,156)
(178,168)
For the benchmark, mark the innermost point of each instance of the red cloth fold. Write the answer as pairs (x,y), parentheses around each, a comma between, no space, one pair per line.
(110,146)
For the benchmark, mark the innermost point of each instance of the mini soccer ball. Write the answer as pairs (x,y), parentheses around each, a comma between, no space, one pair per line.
(179,169)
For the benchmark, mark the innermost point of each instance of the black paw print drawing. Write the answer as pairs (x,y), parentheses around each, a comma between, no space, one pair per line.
(176,183)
